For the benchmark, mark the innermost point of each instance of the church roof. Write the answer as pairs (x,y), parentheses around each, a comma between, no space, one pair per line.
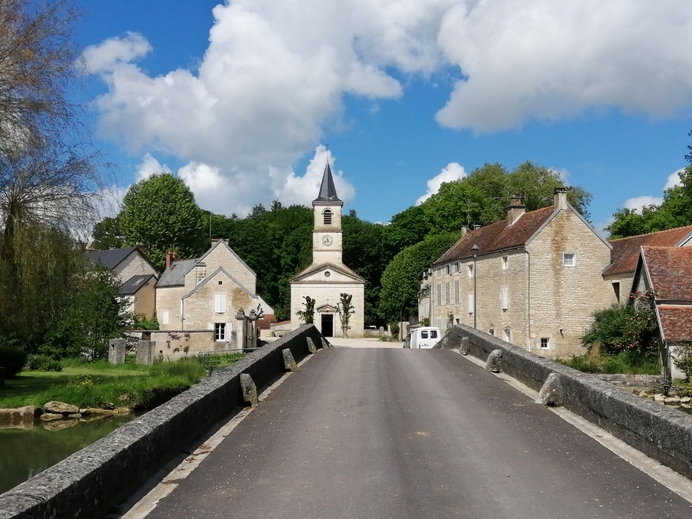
(327,189)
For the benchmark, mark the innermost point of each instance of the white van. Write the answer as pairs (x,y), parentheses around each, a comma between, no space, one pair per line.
(425,337)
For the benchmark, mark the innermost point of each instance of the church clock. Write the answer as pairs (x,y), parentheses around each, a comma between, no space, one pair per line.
(327,240)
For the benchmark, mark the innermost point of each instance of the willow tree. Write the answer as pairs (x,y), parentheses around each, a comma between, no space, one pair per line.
(47,180)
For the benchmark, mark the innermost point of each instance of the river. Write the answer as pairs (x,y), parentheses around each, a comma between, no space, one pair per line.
(26,452)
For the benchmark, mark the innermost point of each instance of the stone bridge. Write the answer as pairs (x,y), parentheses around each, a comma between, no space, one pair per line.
(382,432)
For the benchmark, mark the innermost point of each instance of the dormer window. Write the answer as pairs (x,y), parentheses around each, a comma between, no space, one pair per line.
(327,217)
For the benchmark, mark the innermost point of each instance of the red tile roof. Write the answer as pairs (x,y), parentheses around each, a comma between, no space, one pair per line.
(498,236)
(676,322)
(670,272)
(626,250)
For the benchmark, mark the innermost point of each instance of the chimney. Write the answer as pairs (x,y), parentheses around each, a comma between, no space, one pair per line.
(464,230)
(560,198)
(170,258)
(515,210)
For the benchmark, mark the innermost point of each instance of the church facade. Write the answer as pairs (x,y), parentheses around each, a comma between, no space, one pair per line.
(327,278)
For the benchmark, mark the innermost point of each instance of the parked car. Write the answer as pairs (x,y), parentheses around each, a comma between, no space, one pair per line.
(425,337)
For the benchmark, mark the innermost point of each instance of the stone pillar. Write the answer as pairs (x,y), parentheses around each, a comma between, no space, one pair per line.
(146,352)
(116,351)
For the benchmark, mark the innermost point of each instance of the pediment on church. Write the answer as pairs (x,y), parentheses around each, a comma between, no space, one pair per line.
(327,273)
(326,309)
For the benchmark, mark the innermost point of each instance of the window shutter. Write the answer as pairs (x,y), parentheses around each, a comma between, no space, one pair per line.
(165,317)
(505,298)
(471,306)
(219,303)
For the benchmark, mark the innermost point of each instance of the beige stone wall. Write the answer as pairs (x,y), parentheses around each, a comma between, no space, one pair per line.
(177,344)
(133,265)
(145,300)
(553,302)
(168,307)
(563,298)
(625,281)
(220,256)
(329,294)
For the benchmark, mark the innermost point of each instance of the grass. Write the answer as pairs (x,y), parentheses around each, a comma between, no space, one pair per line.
(623,363)
(95,384)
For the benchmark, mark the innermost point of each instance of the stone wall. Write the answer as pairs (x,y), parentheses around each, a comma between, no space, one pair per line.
(660,433)
(92,481)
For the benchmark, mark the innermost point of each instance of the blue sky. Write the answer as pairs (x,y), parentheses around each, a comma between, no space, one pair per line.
(241,98)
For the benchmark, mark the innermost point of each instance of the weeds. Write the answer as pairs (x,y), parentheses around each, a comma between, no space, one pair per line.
(624,362)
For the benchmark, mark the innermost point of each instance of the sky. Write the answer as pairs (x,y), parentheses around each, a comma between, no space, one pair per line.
(245,100)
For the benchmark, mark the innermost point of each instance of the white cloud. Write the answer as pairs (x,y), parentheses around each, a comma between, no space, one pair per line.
(637,203)
(673,179)
(451,172)
(150,166)
(275,74)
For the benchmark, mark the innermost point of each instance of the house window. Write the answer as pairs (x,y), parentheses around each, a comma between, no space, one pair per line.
(456,267)
(545,343)
(504,298)
(616,289)
(507,335)
(220,303)
(569,259)
(492,331)
(505,262)
(470,270)
(219,331)
(327,217)
(456,292)
(449,269)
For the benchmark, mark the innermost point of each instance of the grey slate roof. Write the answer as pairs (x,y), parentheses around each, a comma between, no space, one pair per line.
(132,285)
(174,276)
(109,258)
(327,189)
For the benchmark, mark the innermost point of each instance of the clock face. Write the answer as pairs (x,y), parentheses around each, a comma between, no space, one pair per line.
(327,240)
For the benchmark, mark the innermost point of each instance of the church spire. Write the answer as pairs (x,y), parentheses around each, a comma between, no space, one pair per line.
(327,189)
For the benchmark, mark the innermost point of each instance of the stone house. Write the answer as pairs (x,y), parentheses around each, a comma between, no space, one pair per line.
(137,277)
(626,252)
(533,279)
(204,304)
(668,272)
(327,277)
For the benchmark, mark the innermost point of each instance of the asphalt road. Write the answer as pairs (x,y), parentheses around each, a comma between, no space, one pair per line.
(400,433)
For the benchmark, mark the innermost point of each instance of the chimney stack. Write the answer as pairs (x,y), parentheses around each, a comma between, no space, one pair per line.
(560,198)
(464,230)
(170,258)
(515,210)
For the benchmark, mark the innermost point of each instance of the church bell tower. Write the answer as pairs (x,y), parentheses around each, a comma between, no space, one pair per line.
(326,234)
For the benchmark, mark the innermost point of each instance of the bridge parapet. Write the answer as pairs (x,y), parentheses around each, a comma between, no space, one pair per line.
(661,433)
(90,482)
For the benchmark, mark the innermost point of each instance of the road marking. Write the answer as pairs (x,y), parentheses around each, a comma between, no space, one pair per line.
(169,477)
(664,475)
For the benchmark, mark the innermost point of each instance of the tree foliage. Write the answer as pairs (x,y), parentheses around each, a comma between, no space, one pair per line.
(401,278)
(160,212)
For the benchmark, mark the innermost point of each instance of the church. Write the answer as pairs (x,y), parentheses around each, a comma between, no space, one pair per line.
(327,277)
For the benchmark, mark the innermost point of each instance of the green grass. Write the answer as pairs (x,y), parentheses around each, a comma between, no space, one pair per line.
(623,362)
(94,384)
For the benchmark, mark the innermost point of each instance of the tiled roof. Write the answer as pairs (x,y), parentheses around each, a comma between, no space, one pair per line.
(676,322)
(670,272)
(626,250)
(109,258)
(132,285)
(498,236)
(174,276)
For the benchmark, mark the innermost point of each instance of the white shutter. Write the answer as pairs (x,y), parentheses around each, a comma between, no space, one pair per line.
(471,305)
(165,317)
(219,303)
(505,298)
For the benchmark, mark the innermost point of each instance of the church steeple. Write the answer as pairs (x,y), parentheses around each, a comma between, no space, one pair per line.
(327,189)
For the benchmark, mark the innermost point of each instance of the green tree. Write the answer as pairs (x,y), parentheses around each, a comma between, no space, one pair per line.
(107,234)
(401,278)
(161,213)
(345,310)
(94,315)
(307,314)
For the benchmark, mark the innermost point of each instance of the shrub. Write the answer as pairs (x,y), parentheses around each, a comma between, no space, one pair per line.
(42,363)
(12,359)
(683,360)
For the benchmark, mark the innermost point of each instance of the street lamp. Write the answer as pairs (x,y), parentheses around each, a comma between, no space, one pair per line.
(475,307)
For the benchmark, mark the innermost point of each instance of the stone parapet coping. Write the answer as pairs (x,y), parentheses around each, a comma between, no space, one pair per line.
(659,432)
(93,480)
